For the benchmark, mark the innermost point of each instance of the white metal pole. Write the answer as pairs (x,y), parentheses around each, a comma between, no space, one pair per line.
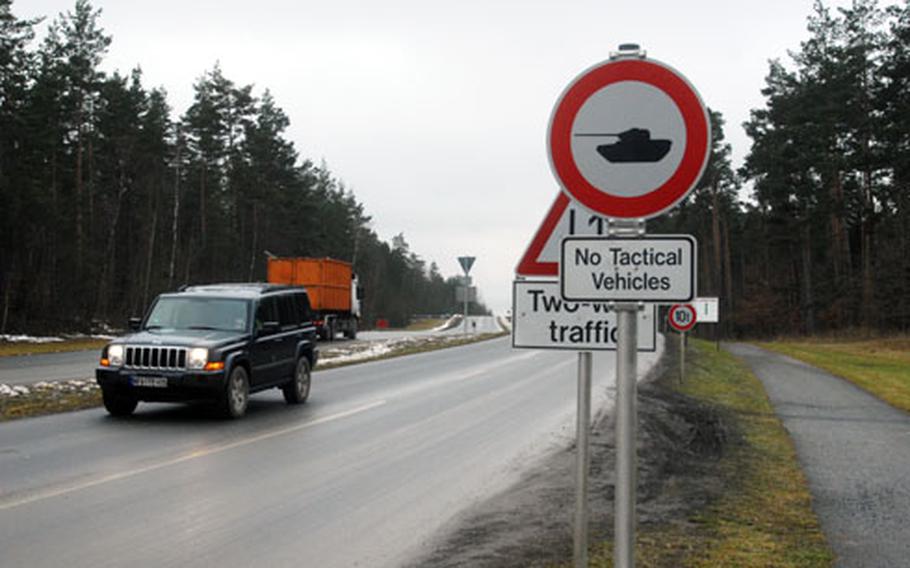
(626,423)
(682,356)
(582,460)
(466,294)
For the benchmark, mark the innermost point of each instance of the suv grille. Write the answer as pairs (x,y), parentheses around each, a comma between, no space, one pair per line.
(138,357)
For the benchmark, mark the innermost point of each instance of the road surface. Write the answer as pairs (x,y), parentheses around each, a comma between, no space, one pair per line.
(364,474)
(855,451)
(29,369)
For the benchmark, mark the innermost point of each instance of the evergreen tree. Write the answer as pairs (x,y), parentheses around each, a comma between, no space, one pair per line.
(15,61)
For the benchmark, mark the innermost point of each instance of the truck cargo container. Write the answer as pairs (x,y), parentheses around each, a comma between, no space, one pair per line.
(332,286)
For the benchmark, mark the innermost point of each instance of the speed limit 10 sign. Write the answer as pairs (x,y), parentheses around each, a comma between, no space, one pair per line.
(682,317)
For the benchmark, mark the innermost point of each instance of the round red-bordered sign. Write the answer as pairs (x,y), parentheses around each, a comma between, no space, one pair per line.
(682,317)
(608,97)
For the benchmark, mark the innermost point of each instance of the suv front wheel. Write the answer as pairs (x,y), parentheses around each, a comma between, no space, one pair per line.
(236,393)
(118,404)
(297,391)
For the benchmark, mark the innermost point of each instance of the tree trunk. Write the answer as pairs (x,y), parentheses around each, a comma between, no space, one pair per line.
(808,299)
(90,190)
(902,272)
(868,309)
(840,250)
(203,253)
(80,237)
(189,261)
(717,272)
(7,288)
(727,303)
(109,261)
(254,240)
(151,251)
(52,248)
(176,217)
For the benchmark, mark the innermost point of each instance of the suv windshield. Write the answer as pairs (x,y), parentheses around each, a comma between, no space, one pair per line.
(198,313)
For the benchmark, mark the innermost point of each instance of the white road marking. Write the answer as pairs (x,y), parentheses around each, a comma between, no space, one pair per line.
(72,488)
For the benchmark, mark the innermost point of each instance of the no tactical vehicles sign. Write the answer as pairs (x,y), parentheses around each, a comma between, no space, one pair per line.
(659,269)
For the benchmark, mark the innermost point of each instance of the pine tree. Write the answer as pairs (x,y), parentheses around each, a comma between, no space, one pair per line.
(15,60)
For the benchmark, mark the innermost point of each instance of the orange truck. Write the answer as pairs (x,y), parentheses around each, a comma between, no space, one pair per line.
(332,287)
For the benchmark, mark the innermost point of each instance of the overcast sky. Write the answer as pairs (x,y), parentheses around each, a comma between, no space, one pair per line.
(435,113)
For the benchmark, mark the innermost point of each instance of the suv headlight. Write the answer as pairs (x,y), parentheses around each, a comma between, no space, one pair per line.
(115,355)
(198,358)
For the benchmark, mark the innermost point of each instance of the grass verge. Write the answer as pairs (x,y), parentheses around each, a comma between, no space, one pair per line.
(54,399)
(40,402)
(880,366)
(8,349)
(763,515)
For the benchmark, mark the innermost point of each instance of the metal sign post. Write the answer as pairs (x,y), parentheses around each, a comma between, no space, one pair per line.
(465,318)
(582,459)
(466,263)
(628,140)
(626,426)
(682,356)
(625,490)
(682,318)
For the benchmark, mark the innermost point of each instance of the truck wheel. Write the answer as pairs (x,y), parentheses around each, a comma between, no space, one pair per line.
(351,332)
(118,404)
(298,389)
(236,394)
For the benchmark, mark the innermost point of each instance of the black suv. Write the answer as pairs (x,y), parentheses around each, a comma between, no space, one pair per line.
(216,343)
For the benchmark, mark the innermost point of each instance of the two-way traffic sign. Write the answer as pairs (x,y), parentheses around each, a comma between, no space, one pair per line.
(541,319)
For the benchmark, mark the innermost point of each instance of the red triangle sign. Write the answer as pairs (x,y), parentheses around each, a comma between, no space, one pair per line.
(564,218)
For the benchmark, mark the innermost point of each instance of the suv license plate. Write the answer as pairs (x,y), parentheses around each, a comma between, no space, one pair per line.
(155,382)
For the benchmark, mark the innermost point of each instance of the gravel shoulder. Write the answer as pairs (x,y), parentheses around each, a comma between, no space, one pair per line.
(530,524)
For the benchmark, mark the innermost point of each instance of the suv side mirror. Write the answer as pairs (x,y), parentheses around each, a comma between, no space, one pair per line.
(135,324)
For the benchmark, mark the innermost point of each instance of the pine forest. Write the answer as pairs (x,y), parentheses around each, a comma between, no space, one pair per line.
(109,199)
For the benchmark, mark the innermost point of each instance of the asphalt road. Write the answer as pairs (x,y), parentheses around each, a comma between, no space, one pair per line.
(28,369)
(364,474)
(855,451)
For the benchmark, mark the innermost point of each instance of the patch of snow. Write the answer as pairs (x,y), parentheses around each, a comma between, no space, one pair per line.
(29,339)
(374,350)
(12,391)
(449,323)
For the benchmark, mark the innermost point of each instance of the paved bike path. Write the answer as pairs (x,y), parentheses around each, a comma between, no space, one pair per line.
(855,452)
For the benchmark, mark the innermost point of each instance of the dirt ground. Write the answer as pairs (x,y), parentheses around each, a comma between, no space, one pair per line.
(530,524)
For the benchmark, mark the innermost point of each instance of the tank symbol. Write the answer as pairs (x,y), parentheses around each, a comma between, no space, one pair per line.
(634,145)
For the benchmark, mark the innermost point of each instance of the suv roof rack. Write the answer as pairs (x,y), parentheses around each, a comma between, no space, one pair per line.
(261,287)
